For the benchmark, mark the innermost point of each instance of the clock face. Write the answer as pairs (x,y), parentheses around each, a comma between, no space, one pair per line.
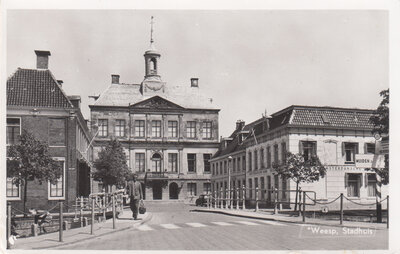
(377,136)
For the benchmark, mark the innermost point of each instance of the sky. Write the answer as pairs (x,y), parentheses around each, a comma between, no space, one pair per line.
(248,61)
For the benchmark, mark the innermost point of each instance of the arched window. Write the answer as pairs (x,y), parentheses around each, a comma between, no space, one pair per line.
(153,66)
(156,159)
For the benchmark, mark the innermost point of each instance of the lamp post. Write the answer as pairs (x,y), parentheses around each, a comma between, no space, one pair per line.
(229,179)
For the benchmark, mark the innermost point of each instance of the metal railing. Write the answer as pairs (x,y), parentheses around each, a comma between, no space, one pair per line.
(96,203)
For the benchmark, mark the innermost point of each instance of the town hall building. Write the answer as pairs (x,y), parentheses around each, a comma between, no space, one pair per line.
(169,133)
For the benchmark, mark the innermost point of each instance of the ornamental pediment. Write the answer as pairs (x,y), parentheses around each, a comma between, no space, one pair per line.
(156,102)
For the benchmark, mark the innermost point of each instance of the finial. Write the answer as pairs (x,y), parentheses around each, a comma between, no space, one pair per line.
(151,31)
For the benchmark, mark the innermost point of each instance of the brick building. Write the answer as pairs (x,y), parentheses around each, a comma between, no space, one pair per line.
(335,135)
(168,132)
(37,103)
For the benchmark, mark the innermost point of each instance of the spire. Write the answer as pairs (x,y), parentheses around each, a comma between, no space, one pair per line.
(151,32)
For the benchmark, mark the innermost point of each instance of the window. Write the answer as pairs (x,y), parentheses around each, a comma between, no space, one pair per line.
(139,128)
(156,162)
(206,159)
(353,185)
(207,130)
(225,167)
(371,183)
(216,168)
(262,187)
(191,129)
(56,191)
(173,129)
(191,159)
(284,189)
(269,188)
(221,168)
(139,162)
(238,164)
(234,165)
(276,182)
(308,148)
(191,189)
(276,153)
(207,188)
(268,157)
(156,128)
(120,128)
(103,128)
(173,162)
(350,150)
(250,188)
(56,131)
(262,158)
(13,130)
(369,148)
(250,161)
(283,149)
(12,189)
(244,163)
(255,160)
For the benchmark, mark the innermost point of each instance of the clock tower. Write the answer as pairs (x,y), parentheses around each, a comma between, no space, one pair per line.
(152,80)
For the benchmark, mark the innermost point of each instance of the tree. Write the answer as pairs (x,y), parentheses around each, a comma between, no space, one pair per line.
(380,120)
(111,167)
(298,169)
(30,159)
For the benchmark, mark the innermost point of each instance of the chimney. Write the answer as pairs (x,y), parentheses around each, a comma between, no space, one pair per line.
(239,124)
(194,82)
(60,82)
(114,79)
(75,100)
(42,59)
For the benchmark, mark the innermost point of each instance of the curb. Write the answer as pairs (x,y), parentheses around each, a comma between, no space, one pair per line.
(280,220)
(148,217)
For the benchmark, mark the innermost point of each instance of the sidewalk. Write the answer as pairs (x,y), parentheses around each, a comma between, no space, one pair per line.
(266,215)
(49,241)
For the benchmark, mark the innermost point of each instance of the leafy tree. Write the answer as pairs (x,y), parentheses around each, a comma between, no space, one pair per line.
(111,167)
(30,159)
(296,168)
(380,120)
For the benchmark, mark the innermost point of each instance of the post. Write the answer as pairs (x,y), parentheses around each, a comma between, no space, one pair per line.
(215,199)
(65,225)
(244,197)
(237,198)
(304,206)
(299,202)
(208,202)
(113,210)
(8,224)
(256,199)
(226,198)
(92,224)
(76,207)
(221,199)
(341,208)
(275,200)
(104,207)
(387,214)
(60,221)
(81,211)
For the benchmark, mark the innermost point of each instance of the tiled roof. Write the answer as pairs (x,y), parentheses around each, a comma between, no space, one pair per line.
(331,117)
(234,145)
(35,88)
(127,94)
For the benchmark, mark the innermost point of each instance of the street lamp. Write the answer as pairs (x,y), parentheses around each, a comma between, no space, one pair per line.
(229,179)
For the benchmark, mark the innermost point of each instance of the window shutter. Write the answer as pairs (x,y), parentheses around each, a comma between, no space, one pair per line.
(314,151)
(360,180)
(300,147)
(366,179)
(357,146)
(346,179)
(343,148)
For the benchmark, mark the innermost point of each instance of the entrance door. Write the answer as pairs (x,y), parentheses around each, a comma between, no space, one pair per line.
(157,190)
(173,191)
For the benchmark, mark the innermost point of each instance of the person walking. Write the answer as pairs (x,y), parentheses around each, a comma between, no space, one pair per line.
(135,193)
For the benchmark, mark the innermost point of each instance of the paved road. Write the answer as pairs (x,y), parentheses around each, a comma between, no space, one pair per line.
(175,227)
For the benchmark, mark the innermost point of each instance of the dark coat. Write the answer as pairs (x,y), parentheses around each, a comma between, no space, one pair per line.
(134,190)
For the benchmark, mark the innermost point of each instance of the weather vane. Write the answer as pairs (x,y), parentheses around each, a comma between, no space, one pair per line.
(151,31)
